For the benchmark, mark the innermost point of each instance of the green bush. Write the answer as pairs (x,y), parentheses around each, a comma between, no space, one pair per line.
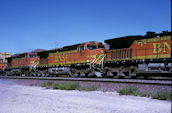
(162,95)
(88,88)
(142,94)
(55,86)
(127,90)
(66,86)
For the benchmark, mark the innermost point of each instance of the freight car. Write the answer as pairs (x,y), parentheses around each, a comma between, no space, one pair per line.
(140,55)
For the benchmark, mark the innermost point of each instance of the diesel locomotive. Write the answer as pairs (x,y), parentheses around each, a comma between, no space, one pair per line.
(148,55)
(140,55)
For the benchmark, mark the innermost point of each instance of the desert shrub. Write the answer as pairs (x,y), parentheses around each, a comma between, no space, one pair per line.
(142,94)
(162,95)
(88,88)
(55,86)
(127,90)
(66,86)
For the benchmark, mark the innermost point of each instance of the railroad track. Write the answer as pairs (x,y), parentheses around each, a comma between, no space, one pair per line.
(131,81)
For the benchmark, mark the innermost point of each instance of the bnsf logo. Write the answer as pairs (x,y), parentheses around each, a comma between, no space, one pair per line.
(161,47)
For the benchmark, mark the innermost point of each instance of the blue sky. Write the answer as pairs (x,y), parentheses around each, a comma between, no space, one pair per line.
(26,25)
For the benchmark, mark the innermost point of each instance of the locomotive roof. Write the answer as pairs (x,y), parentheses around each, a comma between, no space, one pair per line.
(126,41)
(122,42)
(44,54)
(20,55)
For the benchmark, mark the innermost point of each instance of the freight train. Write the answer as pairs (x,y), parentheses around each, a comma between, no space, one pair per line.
(133,56)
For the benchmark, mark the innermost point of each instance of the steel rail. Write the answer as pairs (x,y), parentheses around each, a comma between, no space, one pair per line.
(131,81)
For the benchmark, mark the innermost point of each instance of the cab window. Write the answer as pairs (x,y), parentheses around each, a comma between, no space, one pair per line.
(32,55)
(91,47)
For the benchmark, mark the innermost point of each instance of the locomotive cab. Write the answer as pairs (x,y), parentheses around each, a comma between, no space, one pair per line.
(96,51)
(92,52)
(33,59)
(94,45)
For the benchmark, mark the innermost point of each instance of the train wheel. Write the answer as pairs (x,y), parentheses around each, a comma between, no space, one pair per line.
(73,73)
(109,74)
(50,75)
(23,74)
(82,74)
(121,77)
(146,77)
(133,77)
(98,74)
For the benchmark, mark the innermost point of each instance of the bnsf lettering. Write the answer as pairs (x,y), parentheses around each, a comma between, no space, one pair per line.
(60,58)
(161,47)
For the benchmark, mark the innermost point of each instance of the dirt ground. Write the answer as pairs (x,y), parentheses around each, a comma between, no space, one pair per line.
(15,98)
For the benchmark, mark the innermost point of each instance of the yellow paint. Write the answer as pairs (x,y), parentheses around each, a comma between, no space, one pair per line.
(152,39)
(152,56)
(61,57)
(68,63)
(142,57)
(166,45)
(157,47)
(64,52)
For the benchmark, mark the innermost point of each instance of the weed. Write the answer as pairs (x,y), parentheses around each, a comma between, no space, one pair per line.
(88,88)
(128,90)
(142,94)
(68,86)
(162,95)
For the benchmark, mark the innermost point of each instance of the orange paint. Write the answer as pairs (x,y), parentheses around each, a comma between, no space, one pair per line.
(153,48)
(2,65)
(77,56)
(27,60)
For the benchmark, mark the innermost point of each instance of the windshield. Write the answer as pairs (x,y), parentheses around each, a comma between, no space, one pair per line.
(91,47)
(32,56)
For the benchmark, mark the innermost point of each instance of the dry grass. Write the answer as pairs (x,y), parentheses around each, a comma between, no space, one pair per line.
(160,95)
(68,86)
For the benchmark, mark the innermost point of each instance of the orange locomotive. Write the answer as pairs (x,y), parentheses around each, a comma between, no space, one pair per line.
(24,60)
(21,64)
(140,55)
(80,59)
